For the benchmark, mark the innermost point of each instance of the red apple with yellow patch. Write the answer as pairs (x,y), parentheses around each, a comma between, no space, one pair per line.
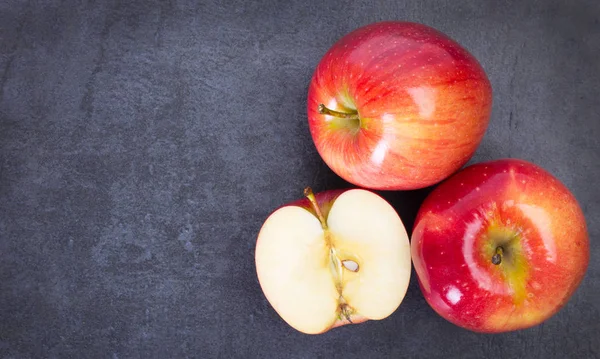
(500,246)
(397,106)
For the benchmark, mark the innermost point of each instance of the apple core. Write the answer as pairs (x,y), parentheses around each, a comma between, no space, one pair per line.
(338,262)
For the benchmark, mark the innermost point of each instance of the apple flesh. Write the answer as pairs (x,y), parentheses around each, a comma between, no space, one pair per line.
(336,258)
(397,106)
(499,246)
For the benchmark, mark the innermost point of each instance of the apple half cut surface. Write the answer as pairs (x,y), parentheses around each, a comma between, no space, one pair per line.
(335,258)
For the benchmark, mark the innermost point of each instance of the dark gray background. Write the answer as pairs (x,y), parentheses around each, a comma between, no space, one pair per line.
(143,143)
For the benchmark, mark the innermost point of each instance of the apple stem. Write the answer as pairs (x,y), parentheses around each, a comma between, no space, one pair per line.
(308,193)
(347,115)
(497,257)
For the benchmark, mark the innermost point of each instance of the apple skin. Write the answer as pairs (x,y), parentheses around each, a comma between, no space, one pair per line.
(468,215)
(423,103)
(324,199)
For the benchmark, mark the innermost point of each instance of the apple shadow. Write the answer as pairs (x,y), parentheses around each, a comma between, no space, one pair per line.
(407,204)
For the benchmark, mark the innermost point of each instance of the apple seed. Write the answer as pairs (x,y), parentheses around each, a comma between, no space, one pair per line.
(350,265)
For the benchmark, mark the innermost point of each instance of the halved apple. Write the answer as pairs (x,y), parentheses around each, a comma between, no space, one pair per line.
(340,257)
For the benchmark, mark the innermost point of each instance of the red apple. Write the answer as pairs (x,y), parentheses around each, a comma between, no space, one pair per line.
(397,106)
(499,246)
(337,258)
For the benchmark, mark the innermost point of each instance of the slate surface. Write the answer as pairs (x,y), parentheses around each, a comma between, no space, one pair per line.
(142,144)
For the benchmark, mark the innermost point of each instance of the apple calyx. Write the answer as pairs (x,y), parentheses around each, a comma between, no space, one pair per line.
(506,254)
(497,257)
(345,310)
(336,263)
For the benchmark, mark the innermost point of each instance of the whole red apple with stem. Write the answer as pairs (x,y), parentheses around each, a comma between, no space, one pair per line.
(397,106)
(499,246)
